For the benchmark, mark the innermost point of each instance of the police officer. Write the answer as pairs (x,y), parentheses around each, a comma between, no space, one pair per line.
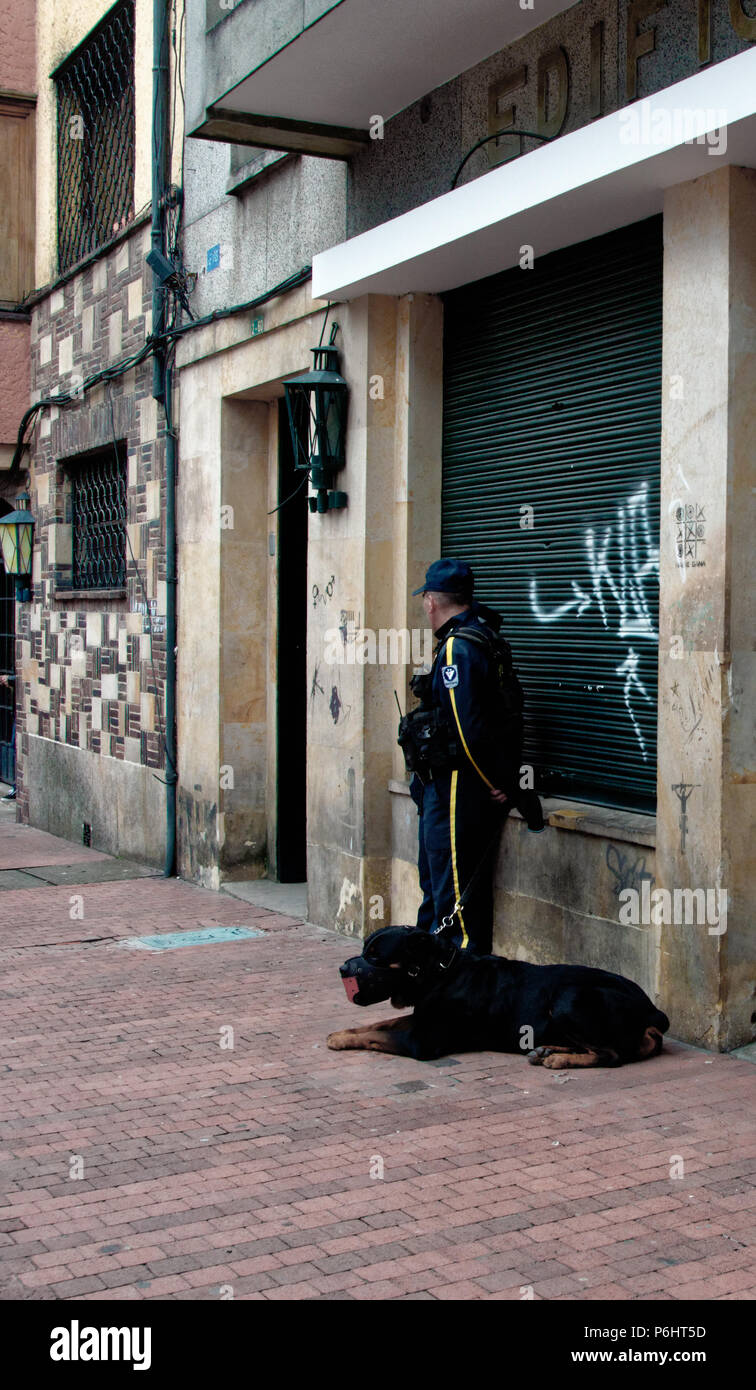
(475,694)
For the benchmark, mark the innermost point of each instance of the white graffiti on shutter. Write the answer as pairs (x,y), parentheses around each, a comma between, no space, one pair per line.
(629,543)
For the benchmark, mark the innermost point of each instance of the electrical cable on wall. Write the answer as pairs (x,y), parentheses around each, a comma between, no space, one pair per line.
(66,397)
(151,345)
(297,490)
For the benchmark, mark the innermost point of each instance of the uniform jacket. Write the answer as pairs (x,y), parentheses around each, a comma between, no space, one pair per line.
(466,689)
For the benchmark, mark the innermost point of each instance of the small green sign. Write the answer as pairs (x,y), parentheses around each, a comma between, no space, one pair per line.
(258,326)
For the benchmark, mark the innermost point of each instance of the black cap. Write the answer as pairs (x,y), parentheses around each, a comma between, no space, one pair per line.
(448,577)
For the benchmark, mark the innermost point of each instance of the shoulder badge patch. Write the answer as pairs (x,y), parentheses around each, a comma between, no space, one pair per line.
(450,676)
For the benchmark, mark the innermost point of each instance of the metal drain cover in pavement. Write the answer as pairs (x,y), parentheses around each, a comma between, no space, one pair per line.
(171,940)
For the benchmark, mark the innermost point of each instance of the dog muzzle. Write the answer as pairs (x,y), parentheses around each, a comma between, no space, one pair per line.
(366,984)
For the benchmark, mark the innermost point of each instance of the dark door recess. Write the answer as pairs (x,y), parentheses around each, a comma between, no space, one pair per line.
(291,859)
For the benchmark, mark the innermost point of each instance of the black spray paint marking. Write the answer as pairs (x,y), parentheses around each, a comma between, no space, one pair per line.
(683,790)
(315,685)
(626,874)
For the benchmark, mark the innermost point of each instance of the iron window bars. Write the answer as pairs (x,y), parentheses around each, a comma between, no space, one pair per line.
(98,520)
(95,90)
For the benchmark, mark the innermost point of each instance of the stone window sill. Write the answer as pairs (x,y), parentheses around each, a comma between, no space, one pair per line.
(258,164)
(64,595)
(97,255)
(630,826)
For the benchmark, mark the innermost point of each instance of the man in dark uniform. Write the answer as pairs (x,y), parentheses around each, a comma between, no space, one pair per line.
(463,798)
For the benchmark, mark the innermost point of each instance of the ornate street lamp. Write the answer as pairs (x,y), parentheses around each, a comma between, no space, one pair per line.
(316,403)
(16,541)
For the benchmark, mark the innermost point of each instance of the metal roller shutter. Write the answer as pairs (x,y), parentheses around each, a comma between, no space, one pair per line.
(552,401)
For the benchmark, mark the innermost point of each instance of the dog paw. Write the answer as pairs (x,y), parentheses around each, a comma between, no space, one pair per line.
(338,1041)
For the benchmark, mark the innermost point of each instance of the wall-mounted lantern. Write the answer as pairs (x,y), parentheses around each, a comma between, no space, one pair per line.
(16,541)
(316,403)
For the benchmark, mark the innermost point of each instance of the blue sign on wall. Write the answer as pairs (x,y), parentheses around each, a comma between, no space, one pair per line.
(213,257)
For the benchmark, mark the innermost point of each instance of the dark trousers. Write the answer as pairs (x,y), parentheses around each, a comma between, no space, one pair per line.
(458,821)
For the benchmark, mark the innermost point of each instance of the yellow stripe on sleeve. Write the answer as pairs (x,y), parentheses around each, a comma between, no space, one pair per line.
(449,662)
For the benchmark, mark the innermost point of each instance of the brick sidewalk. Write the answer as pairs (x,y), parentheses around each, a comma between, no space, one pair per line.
(205,1168)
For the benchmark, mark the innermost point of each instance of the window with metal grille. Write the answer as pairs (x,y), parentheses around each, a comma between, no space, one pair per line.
(98,519)
(95,91)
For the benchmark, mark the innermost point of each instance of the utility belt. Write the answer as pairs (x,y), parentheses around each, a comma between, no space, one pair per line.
(428,774)
(427,743)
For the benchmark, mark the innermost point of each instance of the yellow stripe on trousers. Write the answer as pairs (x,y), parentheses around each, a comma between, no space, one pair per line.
(453,841)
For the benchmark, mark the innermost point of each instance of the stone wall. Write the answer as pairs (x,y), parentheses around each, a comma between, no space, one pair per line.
(423,145)
(17,74)
(707,674)
(17,66)
(91,667)
(14,383)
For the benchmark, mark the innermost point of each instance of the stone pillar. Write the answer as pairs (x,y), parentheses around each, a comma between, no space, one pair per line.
(706,685)
(244,648)
(417,542)
(361,561)
(199,587)
(417,467)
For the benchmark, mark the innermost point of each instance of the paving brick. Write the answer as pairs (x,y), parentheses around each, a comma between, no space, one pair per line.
(337,1283)
(461,1290)
(294,1291)
(261,1264)
(251,1168)
(501,1279)
(74,1288)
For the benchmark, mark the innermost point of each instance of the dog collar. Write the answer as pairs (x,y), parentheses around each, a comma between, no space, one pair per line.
(438,965)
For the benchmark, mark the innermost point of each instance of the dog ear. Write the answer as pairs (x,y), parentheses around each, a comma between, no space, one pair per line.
(421,945)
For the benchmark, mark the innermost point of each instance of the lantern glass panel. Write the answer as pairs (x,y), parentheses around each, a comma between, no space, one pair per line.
(9,547)
(301,424)
(25,547)
(335,417)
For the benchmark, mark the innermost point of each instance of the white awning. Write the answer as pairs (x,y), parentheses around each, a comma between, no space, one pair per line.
(605,175)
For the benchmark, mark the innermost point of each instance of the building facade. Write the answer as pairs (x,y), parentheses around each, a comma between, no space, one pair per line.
(253,220)
(545,290)
(92,642)
(18,85)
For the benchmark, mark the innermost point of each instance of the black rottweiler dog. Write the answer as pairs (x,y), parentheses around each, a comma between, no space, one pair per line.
(562,1015)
